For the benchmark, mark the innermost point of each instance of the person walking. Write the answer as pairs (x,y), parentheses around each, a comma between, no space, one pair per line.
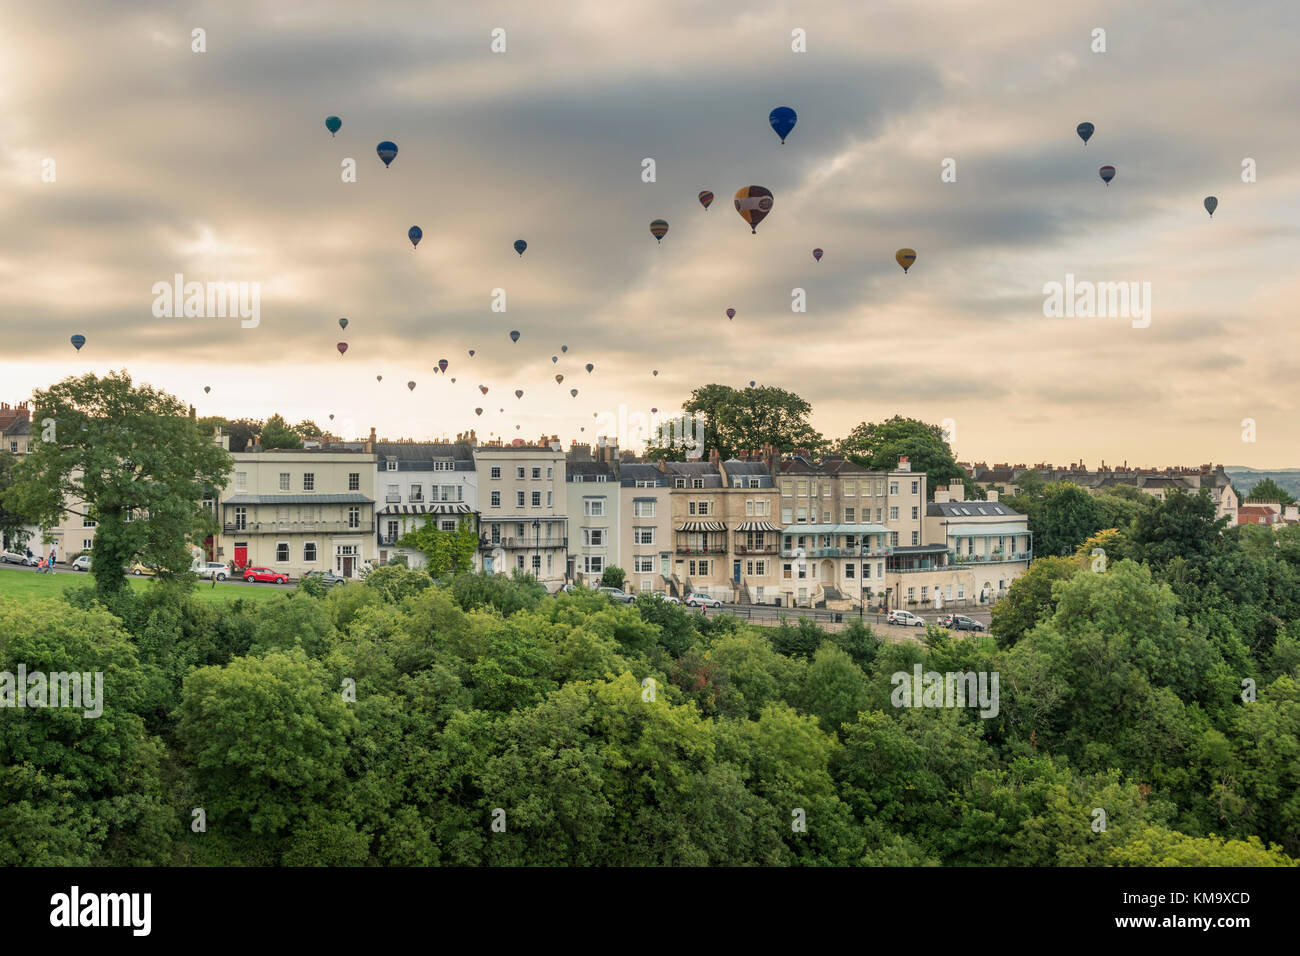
(54,556)
(214,579)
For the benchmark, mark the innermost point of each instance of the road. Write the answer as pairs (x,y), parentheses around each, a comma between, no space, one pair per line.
(771,615)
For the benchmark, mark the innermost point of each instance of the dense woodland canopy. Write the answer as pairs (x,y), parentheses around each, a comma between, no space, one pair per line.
(1121,691)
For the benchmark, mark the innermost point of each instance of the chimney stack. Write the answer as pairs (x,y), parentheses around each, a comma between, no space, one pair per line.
(904,464)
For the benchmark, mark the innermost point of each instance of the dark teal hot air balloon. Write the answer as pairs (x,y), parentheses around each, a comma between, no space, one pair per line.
(1085,132)
(78,341)
(207,389)
(590,366)
(1211,204)
(554,359)
(520,246)
(573,392)
(415,234)
(343,323)
(387,152)
(333,124)
(564,348)
(782,119)
(514,336)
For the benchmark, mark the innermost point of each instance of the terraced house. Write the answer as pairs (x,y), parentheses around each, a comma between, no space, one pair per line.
(592,491)
(646,513)
(423,482)
(987,544)
(523,509)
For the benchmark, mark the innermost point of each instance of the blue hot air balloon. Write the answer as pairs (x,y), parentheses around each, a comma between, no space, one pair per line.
(564,348)
(387,152)
(333,124)
(343,323)
(1085,132)
(415,234)
(520,246)
(783,119)
(514,336)
(78,341)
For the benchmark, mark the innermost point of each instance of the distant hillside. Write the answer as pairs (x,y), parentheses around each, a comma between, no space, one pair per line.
(1244,479)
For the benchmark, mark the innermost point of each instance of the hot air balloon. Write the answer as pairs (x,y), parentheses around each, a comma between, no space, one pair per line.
(653,410)
(554,359)
(706,197)
(207,389)
(581,429)
(379,378)
(478,411)
(559,379)
(1211,204)
(411,386)
(1107,173)
(471,353)
(442,365)
(817,254)
(387,152)
(517,428)
(514,336)
(78,341)
(343,323)
(659,229)
(342,347)
(564,348)
(1085,132)
(483,389)
(331,418)
(655,372)
(500,409)
(751,384)
(519,393)
(753,203)
(573,392)
(731,313)
(520,246)
(590,366)
(782,120)
(333,124)
(905,258)
(453,380)
(415,234)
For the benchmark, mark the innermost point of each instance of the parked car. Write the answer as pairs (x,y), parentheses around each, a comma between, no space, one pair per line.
(205,570)
(702,600)
(669,599)
(906,619)
(959,622)
(138,569)
(82,563)
(618,594)
(17,557)
(326,578)
(265,575)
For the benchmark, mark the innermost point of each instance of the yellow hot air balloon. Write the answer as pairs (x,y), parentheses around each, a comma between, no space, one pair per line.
(905,258)
(753,203)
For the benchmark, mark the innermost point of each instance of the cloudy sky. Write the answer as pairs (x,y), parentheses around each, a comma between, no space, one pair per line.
(218,166)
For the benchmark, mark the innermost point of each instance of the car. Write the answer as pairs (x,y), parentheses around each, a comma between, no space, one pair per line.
(959,622)
(618,594)
(82,563)
(668,599)
(326,578)
(17,557)
(205,570)
(702,600)
(906,619)
(265,575)
(138,569)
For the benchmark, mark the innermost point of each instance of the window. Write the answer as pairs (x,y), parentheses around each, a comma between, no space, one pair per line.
(787,487)
(893,513)
(643,535)
(850,570)
(916,487)
(519,499)
(309,481)
(550,499)
(803,569)
(915,512)
(241,519)
(519,561)
(697,482)
(787,571)
(241,481)
(519,472)
(643,509)
(496,534)
(444,464)
(309,552)
(537,474)
(643,565)
(87,544)
(849,515)
(417,492)
(893,487)
(537,564)
(803,516)
(961,592)
(537,499)
(281,552)
(911,594)
(760,568)
(449,524)
(826,517)
(850,489)
(593,507)
(914,541)
(593,563)
(787,516)
(749,507)
(496,499)
(801,486)
(284,481)
(391,464)
(879,515)
(550,473)
(354,481)
(87,522)
(925,593)
(519,528)
(354,517)
(593,537)
(495,473)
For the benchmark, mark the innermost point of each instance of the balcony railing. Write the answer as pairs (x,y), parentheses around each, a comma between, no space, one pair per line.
(298,527)
(388,540)
(917,568)
(838,552)
(701,549)
(521,544)
(393,497)
(756,548)
(994,558)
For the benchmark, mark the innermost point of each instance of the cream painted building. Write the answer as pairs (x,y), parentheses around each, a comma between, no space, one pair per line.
(988,542)
(523,505)
(592,496)
(418,482)
(645,516)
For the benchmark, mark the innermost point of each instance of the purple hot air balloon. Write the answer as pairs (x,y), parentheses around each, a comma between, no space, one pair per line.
(731,313)
(706,197)
(519,393)
(817,254)
(442,365)
(1107,173)
(342,347)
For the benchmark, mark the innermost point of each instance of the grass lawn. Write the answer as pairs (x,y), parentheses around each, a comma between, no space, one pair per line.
(22,585)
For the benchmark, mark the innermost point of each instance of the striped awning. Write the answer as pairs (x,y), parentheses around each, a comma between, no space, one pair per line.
(438,509)
(703,526)
(757,526)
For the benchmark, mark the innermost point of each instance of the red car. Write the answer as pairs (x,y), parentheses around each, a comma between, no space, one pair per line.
(265,575)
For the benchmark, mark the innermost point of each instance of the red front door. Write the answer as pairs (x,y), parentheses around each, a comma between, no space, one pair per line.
(241,555)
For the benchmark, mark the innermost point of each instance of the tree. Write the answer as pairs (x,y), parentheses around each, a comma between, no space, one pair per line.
(1182,526)
(138,463)
(1270,490)
(740,420)
(308,429)
(1029,599)
(12,533)
(880,446)
(445,552)
(1062,518)
(276,433)
(613,577)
